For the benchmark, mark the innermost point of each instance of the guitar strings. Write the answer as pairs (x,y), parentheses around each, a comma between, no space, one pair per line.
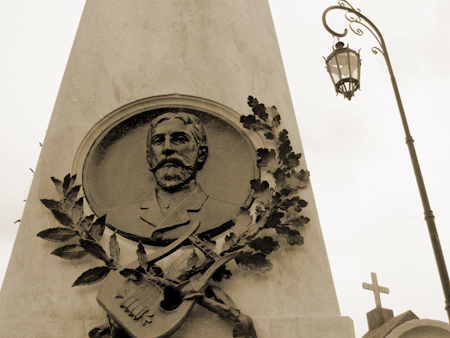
(172,268)
(174,273)
(147,294)
(138,304)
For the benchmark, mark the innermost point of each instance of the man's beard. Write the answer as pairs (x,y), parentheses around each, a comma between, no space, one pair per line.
(172,174)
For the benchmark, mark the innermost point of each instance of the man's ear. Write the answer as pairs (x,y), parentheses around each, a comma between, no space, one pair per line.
(202,154)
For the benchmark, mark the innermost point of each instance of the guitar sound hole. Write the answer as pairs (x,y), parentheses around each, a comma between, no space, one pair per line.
(172,299)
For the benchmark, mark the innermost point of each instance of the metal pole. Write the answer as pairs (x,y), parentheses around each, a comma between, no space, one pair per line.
(429,217)
(428,213)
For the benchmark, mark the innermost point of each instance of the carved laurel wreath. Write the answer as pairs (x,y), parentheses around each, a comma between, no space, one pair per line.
(275,212)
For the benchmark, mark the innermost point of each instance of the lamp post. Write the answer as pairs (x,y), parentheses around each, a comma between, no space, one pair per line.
(344,72)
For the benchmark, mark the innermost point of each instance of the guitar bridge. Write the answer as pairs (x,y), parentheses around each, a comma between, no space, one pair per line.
(135,306)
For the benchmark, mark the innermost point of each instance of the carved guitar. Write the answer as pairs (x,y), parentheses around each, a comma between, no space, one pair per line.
(155,306)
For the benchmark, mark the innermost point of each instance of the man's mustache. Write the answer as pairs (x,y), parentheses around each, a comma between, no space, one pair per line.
(171,160)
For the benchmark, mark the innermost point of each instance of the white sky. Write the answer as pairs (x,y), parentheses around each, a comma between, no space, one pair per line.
(363,181)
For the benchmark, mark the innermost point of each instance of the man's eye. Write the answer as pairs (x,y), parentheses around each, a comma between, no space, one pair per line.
(157,140)
(180,139)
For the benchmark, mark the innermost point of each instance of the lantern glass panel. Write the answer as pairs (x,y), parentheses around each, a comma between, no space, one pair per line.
(354,65)
(342,59)
(333,68)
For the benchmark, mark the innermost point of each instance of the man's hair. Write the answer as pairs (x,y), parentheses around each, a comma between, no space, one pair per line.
(198,132)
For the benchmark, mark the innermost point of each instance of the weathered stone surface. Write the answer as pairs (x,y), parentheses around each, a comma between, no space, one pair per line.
(421,328)
(377,317)
(195,327)
(390,325)
(47,329)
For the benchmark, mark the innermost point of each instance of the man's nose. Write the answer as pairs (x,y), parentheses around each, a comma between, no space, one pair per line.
(168,150)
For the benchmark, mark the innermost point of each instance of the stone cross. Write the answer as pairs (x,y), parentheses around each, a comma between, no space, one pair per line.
(376,289)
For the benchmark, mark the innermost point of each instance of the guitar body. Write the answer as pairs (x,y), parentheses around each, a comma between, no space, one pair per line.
(156,322)
(136,306)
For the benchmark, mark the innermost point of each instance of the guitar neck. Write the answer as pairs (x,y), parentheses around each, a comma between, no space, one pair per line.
(210,257)
(203,247)
(187,274)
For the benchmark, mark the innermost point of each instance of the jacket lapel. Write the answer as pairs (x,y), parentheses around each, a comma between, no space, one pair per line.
(151,211)
(152,214)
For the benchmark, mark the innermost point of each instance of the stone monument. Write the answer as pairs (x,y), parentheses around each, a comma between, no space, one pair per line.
(160,152)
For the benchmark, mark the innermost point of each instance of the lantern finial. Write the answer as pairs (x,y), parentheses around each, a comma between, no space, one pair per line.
(339,45)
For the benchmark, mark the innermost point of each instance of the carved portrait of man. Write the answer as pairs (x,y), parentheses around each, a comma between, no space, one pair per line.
(176,151)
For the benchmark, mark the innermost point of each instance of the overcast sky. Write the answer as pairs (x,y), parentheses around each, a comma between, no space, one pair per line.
(363,182)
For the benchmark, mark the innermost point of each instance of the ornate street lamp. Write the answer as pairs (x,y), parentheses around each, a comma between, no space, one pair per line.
(355,17)
(344,66)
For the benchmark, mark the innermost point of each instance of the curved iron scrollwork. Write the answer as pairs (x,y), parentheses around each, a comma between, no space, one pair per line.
(355,18)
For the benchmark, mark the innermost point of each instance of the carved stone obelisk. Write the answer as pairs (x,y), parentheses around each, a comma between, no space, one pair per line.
(131,62)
